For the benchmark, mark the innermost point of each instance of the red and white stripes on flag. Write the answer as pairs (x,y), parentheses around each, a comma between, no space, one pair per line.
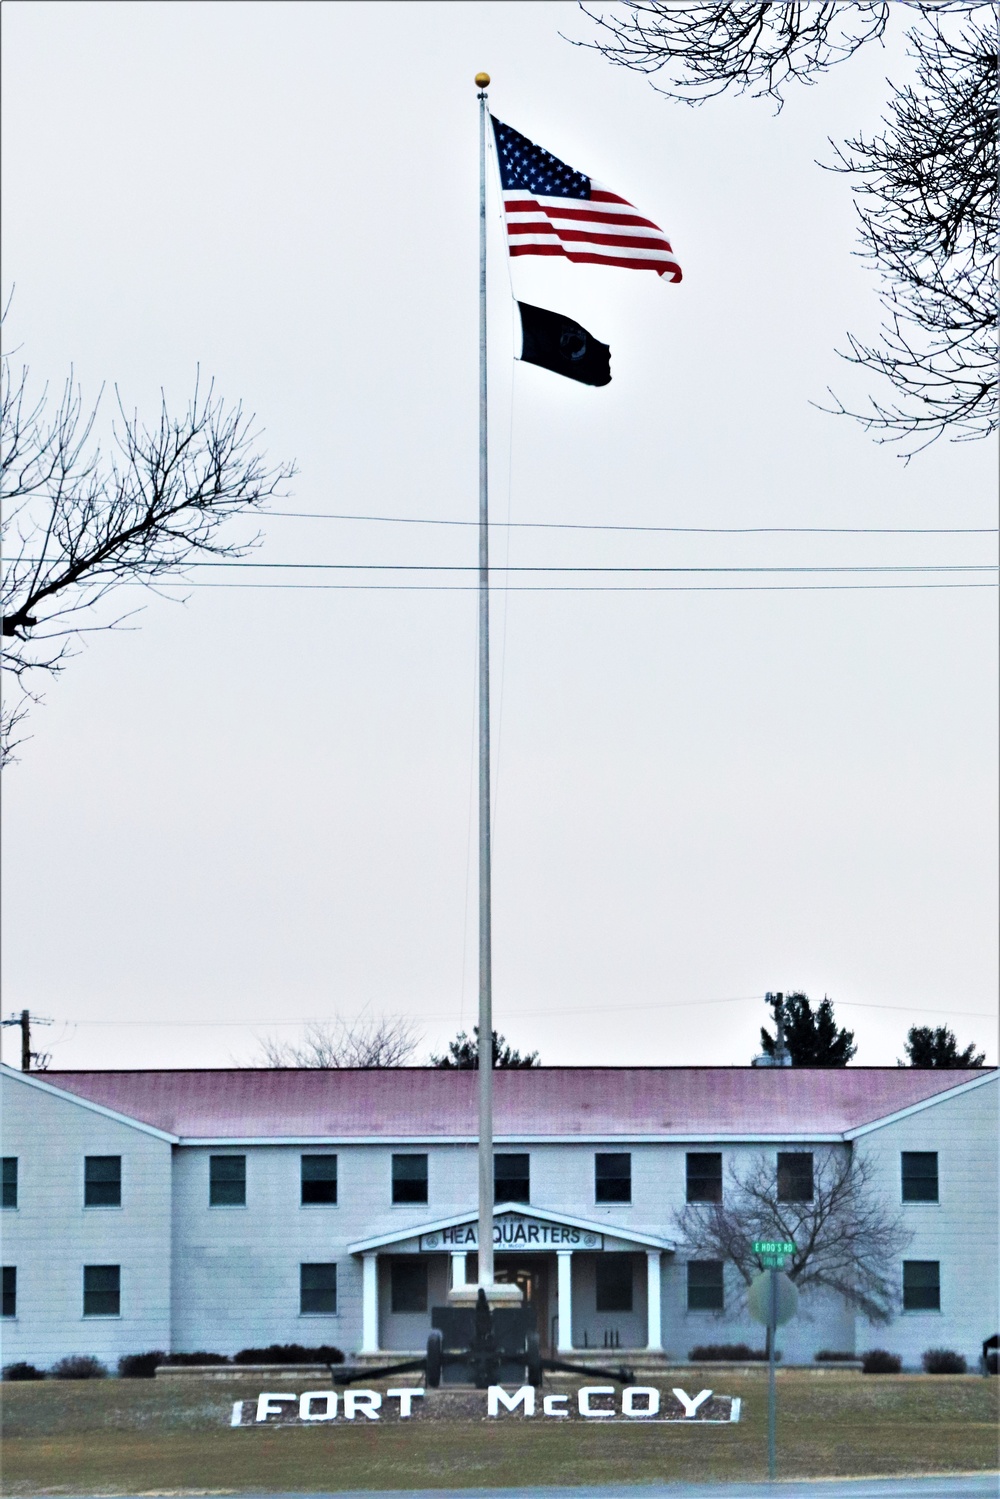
(602,229)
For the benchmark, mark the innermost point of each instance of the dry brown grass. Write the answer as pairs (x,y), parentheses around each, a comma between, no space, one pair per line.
(120,1436)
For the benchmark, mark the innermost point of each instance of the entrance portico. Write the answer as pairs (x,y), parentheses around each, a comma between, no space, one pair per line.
(592,1283)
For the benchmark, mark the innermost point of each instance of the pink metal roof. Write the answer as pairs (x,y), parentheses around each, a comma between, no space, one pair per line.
(544,1101)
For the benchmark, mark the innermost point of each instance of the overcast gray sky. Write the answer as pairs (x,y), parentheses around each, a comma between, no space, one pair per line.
(256,807)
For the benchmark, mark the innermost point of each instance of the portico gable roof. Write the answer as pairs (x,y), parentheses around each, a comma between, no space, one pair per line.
(607,1229)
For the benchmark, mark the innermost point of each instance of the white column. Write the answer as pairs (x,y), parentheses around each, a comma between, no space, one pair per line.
(457,1271)
(654,1314)
(369,1303)
(564,1338)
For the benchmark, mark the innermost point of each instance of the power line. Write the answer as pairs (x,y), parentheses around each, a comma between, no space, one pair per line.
(465,567)
(684,1004)
(569,587)
(541,525)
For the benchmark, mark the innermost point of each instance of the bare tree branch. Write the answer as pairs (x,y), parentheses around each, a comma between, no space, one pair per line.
(847,1238)
(927,203)
(926,186)
(371,1041)
(76,526)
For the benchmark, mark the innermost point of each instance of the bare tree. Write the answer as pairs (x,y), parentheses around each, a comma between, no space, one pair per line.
(371,1041)
(926,185)
(846,1236)
(78,526)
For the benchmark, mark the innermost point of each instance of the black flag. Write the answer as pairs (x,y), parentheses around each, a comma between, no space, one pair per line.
(558,344)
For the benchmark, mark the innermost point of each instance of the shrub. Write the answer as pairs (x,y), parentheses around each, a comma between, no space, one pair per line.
(140,1365)
(829,1356)
(22,1371)
(944,1361)
(183,1359)
(79,1366)
(289,1353)
(878,1361)
(732,1353)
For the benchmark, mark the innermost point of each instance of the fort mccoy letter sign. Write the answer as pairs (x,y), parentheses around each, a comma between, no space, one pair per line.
(633,1405)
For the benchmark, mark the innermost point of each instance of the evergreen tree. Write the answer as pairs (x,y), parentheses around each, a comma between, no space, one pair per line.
(938,1048)
(812,1037)
(463,1052)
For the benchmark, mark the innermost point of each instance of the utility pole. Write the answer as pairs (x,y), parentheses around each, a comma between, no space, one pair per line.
(24,1020)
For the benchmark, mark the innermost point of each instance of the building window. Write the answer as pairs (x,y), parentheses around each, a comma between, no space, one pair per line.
(318,1290)
(102,1181)
(704,1176)
(319,1178)
(920,1176)
(614,1283)
(511,1178)
(705,1286)
(613,1177)
(227,1181)
(409,1285)
(102,1290)
(10,1290)
(921,1286)
(409,1178)
(795,1176)
(10,1181)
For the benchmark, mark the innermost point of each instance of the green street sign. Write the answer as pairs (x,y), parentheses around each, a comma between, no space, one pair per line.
(772,1261)
(773,1246)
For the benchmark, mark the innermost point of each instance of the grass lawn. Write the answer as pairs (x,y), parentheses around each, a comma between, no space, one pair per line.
(118,1436)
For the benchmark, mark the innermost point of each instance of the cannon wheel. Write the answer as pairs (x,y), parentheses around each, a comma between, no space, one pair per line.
(434,1343)
(533,1359)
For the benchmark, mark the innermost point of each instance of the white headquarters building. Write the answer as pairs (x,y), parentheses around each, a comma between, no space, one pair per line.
(216,1210)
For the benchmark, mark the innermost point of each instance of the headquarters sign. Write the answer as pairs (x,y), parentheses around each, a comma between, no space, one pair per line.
(512,1231)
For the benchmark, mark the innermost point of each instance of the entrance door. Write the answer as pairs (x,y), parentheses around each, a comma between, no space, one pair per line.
(532,1275)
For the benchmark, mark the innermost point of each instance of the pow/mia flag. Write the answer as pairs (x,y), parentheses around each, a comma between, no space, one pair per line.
(562,346)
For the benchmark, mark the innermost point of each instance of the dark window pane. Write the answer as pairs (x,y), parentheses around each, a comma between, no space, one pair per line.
(101,1290)
(795,1176)
(102,1181)
(409,1285)
(706,1291)
(318,1289)
(921,1286)
(409,1178)
(614,1283)
(319,1178)
(511,1178)
(704,1176)
(10,1181)
(613,1177)
(10,1290)
(920,1176)
(227,1180)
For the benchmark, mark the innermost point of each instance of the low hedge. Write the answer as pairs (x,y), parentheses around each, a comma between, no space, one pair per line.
(831,1356)
(879,1361)
(22,1371)
(730,1353)
(289,1353)
(79,1366)
(944,1361)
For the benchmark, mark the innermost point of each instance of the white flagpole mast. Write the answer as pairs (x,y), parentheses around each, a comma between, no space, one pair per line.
(485,951)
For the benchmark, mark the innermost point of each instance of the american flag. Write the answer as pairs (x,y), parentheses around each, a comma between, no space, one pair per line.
(551,209)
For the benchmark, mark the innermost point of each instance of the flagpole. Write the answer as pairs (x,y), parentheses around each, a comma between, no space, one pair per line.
(485,1224)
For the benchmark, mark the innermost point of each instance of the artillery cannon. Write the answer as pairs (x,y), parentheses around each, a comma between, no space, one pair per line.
(491,1345)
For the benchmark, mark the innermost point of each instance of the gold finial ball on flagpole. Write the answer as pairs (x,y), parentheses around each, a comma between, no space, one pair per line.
(482,80)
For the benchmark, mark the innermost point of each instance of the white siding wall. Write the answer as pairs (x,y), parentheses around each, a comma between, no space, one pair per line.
(960,1230)
(51,1235)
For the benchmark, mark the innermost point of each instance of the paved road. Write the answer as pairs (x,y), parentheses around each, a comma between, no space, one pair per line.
(977,1486)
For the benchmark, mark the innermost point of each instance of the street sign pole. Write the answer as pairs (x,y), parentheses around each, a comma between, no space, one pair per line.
(772,1327)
